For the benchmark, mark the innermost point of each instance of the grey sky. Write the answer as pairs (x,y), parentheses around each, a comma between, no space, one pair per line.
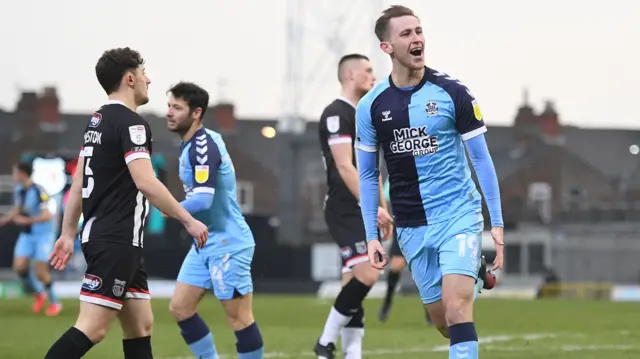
(583,54)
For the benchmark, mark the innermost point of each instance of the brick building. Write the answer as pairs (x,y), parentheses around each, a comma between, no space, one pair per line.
(549,173)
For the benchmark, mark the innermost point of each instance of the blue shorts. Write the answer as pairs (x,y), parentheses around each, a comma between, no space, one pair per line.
(450,247)
(225,273)
(36,247)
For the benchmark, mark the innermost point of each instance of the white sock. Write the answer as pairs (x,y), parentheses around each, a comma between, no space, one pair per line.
(335,322)
(352,342)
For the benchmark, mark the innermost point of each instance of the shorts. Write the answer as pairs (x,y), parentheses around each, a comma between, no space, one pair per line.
(347,230)
(228,274)
(395,250)
(450,247)
(34,246)
(115,272)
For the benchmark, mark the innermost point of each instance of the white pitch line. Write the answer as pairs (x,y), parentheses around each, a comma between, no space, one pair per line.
(417,350)
(566,348)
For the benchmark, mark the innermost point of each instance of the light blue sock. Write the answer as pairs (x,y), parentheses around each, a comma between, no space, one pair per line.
(478,288)
(256,354)
(463,342)
(198,337)
(204,348)
(467,350)
(53,299)
(35,283)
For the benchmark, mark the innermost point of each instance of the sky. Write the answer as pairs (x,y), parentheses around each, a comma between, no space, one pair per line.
(582,54)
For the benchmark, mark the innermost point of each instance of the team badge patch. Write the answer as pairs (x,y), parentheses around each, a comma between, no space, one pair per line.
(95,120)
(361,247)
(476,110)
(118,287)
(432,108)
(333,124)
(202,174)
(138,134)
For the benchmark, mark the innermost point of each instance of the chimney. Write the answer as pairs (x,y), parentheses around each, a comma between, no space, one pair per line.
(49,106)
(549,120)
(224,117)
(26,112)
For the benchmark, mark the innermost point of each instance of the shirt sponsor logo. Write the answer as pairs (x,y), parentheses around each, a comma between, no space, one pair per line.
(414,140)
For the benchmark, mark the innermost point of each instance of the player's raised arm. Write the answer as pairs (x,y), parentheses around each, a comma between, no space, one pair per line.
(367,147)
(205,159)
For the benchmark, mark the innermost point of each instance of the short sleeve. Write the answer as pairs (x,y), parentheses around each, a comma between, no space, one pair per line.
(469,121)
(42,198)
(135,140)
(205,159)
(365,131)
(339,130)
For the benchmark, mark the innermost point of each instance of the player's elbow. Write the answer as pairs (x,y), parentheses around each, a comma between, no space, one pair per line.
(142,175)
(145,185)
(344,167)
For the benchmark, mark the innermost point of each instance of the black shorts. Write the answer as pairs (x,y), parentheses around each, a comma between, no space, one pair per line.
(115,272)
(347,230)
(395,246)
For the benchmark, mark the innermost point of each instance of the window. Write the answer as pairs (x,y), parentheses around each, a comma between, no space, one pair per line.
(245,196)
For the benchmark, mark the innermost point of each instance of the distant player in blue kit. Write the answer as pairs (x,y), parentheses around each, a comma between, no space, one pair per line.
(224,264)
(423,120)
(31,214)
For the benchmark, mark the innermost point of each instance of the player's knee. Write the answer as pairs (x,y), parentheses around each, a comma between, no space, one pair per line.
(457,310)
(42,273)
(366,274)
(397,264)
(143,328)
(181,311)
(240,319)
(96,333)
(21,269)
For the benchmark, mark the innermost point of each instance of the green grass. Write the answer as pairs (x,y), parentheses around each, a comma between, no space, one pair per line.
(291,325)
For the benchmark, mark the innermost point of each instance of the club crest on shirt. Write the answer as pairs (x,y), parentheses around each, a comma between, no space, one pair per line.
(476,110)
(138,134)
(202,174)
(95,120)
(432,108)
(333,124)
(361,247)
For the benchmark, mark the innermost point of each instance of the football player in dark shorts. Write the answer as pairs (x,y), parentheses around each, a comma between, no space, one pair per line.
(342,211)
(113,185)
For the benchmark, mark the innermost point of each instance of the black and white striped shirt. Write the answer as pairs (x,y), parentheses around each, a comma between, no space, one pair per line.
(113,208)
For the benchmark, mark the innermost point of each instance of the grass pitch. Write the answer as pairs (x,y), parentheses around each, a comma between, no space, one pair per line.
(545,329)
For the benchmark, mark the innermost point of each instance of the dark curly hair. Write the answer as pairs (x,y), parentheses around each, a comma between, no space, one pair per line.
(194,95)
(113,64)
